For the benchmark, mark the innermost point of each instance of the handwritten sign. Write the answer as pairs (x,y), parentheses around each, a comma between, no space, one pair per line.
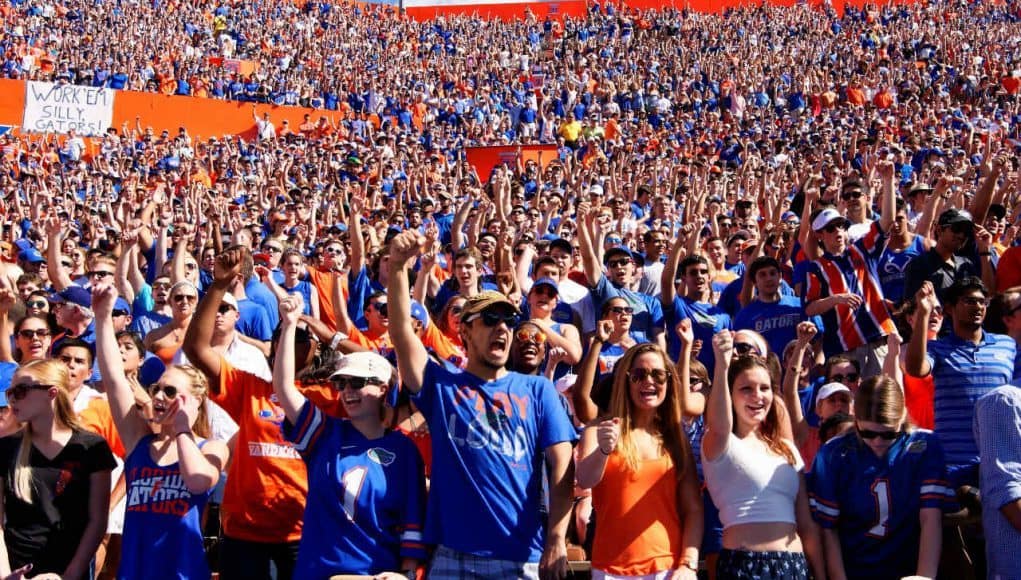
(60,108)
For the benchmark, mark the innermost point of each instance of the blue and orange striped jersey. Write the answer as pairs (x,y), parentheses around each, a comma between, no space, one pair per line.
(366,498)
(853,272)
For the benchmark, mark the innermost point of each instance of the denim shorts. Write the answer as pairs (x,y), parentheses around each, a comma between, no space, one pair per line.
(742,565)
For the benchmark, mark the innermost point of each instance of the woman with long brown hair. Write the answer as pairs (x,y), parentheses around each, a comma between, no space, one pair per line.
(879,491)
(170,473)
(755,475)
(55,478)
(637,461)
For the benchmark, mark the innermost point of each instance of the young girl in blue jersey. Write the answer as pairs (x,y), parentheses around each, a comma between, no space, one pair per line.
(366,484)
(169,473)
(879,490)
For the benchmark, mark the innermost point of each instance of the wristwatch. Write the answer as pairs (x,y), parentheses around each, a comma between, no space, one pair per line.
(689,565)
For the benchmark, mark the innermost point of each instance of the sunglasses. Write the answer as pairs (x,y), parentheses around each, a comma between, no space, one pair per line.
(962,228)
(726,224)
(848,378)
(224,309)
(180,298)
(622,310)
(100,274)
(356,383)
(456,310)
(835,227)
(380,307)
(29,334)
(36,304)
(490,318)
(161,286)
(333,251)
(536,336)
(169,391)
(884,435)
(191,266)
(975,301)
(18,392)
(659,376)
(619,263)
(744,348)
(66,264)
(851,195)
(271,249)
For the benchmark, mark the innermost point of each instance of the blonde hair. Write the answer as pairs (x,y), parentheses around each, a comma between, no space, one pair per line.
(880,399)
(199,389)
(48,372)
(668,414)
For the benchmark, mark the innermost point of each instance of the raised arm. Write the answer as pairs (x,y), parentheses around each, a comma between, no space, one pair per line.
(130,425)
(411,354)
(197,340)
(719,421)
(916,361)
(586,245)
(291,400)
(57,272)
(354,227)
(799,425)
(888,207)
(692,404)
(581,395)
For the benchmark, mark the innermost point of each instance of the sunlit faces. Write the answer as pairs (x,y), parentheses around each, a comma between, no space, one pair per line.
(28,396)
(834,236)
(131,356)
(620,312)
(839,402)
(361,397)
(33,339)
(846,374)
(78,361)
(752,396)
(542,299)
(877,436)
(487,338)
(696,278)
(164,391)
(970,308)
(529,346)
(467,271)
(454,314)
(648,381)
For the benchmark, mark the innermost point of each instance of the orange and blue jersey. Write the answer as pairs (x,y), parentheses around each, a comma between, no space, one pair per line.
(852,272)
(366,498)
(874,502)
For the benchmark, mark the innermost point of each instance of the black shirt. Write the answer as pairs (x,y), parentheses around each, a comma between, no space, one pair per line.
(46,533)
(931,266)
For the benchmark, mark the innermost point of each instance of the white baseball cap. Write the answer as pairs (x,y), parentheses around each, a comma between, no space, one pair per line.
(367,365)
(830,389)
(825,217)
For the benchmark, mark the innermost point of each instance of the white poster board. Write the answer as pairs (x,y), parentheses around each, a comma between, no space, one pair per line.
(59,108)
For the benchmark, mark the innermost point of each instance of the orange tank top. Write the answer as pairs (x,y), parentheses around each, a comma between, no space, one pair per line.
(639,528)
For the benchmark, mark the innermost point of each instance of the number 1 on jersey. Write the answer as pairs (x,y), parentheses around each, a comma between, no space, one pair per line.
(881,491)
(352,480)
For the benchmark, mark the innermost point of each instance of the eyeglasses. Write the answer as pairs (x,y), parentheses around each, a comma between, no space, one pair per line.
(36,304)
(29,334)
(726,224)
(169,391)
(380,307)
(224,309)
(18,392)
(659,376)
(333,251)
(536,336)
(180,298)
(622,310)
(851,195)
(491,318)
(271,249)
(161,285)
(835,227)
(884,435)
(744,348)
(975,300)
(848,378)
(100,274)
(619,263)
(356,383)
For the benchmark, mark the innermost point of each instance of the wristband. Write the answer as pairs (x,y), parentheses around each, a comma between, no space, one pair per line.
(339,336)
(607,453)
(179,433)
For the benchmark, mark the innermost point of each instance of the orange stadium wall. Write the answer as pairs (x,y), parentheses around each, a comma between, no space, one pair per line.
(202,117)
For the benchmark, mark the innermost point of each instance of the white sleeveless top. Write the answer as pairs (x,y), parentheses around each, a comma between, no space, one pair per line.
(749,486)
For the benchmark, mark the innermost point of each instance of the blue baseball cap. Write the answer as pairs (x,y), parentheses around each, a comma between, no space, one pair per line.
(73,295)
(617,250)
(31,255)
(121,305)
(547,282)
(418,311)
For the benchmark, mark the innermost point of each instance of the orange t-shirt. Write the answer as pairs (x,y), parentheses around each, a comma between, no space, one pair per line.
(381,344)
(324,281)
(264,498)
(97,418)
(646,534)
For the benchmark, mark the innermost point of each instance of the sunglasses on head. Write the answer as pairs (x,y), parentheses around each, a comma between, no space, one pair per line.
(848,378)
(356,383)
(169,391)
(659,376)
(884,435)
(535,336)
(180,298)
(18,392)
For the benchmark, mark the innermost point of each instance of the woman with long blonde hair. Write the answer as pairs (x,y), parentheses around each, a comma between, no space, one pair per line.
(755,475)
(637,461)
(169,474)
(55,478)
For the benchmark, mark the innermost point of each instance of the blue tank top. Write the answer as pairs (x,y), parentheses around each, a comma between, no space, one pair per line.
(162,522)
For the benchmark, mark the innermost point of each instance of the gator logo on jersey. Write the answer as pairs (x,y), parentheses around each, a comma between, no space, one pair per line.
(917,447)
(381,456)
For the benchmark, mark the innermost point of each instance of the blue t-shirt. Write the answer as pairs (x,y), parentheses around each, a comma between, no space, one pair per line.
(305,289)
(648,314)
(162,521)
(874,502)
(360,286)
(366,498)
(706,320)
(488,439)
(253,321)
(257,292)
(777,322)
(891,268)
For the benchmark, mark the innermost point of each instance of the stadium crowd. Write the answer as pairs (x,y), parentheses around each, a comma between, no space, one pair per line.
(754,312)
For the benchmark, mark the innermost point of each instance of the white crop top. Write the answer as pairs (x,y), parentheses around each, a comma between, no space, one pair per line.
(749,486)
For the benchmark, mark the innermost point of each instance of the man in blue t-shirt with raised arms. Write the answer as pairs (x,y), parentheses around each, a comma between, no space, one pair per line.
(491,429)
(771,314)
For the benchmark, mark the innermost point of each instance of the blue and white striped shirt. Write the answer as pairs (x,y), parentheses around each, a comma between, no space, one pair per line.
(964,371)
(997,428)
